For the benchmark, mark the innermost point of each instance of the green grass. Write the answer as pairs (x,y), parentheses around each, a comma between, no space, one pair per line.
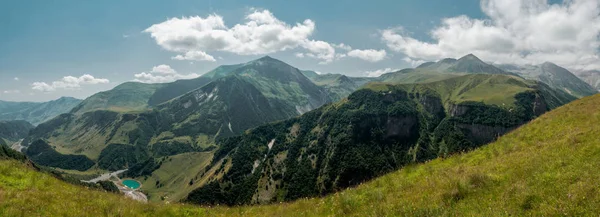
(548,167)
(175,183)
(490,89)
(418,76)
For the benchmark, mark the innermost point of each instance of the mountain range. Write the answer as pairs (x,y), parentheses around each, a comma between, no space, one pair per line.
(12,131)
(376,130)
(555,76)
(541,169)
(265,131)
(251,94)
(592,77)
(36,112)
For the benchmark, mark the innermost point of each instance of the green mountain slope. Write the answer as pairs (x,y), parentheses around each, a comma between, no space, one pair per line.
(467,64)
(177,88)
(36,113)
(254,93)
(338,86)
(128,96)
(376,130)
(409,76)
(441,70)
(544,168)
(555,76)
(12,131)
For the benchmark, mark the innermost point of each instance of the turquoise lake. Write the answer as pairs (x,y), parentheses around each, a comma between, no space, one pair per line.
(131,184)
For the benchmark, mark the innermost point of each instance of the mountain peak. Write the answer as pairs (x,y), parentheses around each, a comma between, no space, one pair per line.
(549,64)
(470,57)
(63,98)
(267,58)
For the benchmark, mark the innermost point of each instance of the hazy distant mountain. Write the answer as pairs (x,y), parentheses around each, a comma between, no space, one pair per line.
(34,112)
(12,131)
(592,77)
(555,76)
(337,85)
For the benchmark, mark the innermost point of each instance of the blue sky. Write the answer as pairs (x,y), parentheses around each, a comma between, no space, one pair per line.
(45,41)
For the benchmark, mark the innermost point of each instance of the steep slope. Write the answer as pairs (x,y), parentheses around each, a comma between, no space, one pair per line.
(12,131)
(555,76)
(177,88)
(129,96)
(376,130)
(283,84)
(592,77)
(36,113)
(225,107)
(544,168)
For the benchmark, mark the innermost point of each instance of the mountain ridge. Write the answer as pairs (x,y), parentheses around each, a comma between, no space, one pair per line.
(36,112)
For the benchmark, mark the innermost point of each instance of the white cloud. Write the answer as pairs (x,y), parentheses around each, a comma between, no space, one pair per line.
(515,31)
(379,72)
(196,56)
(261,33)
(320,50)
(68,82)
(343,46)
(412,62)
(368,55)
(16,79)
(162,74)
(11,91)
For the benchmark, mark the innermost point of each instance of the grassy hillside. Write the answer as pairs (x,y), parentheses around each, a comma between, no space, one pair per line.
(491,89)
(36,112)
(169,183)
(408,76)
(545,168)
